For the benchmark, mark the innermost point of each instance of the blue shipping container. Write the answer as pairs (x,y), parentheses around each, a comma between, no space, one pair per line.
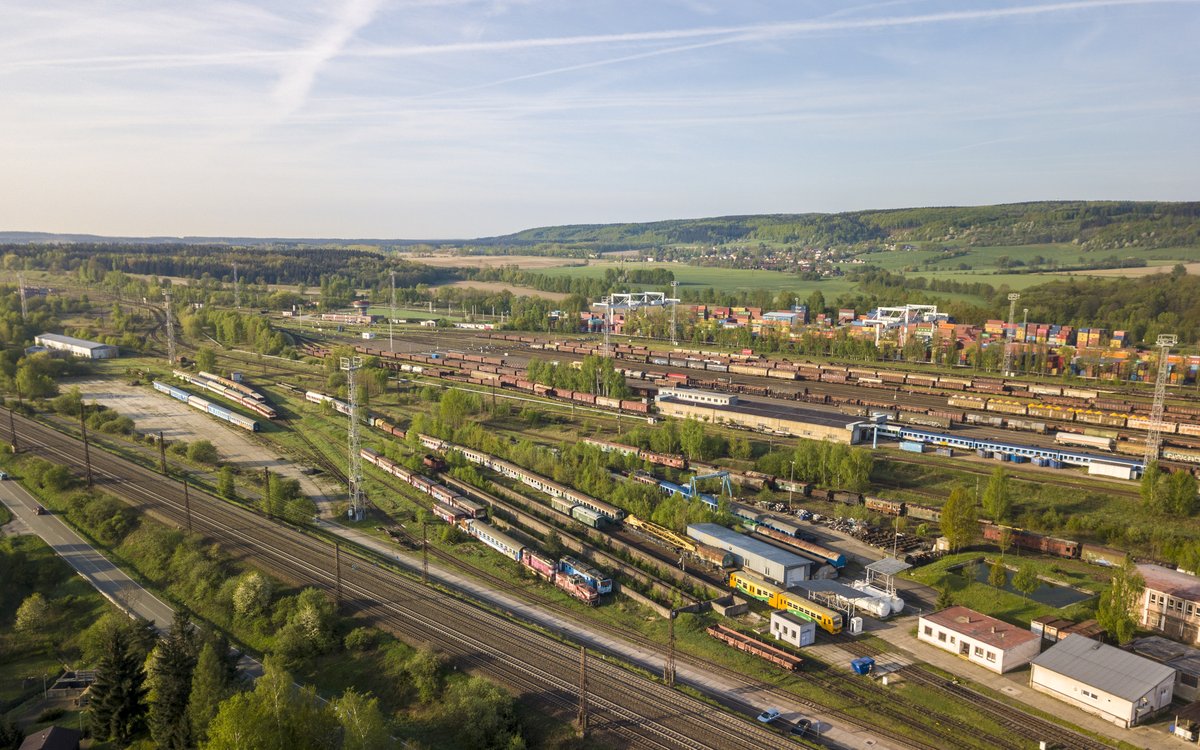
(912,446)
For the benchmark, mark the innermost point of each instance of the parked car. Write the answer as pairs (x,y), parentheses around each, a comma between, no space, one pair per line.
(802,727)
(771,714)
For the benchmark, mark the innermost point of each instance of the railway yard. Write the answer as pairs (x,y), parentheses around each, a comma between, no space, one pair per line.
(586,570)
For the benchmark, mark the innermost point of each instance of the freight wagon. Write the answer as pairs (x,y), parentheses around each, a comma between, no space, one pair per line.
(755,647)
(1032,541)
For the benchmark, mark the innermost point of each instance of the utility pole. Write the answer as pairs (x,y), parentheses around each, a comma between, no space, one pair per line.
(674,304)
(669,669)
(170,329)
(24,304)
(351,366)
(1008,348)
(392,315)
(237,292)
(162,454)
(791,483)
(337,573)
(187,503)
(266,497)
(87,454)
(12,430)
(1154,436)
(582,718)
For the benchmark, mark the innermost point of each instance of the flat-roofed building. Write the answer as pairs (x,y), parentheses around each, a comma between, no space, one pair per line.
(992,644)
(1185,660)
(755,555)
(793,629)
(1170,603)
(77,347)
(770,417)
(1104,680)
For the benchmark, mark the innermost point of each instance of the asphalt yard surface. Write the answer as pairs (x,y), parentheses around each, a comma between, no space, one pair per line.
(154,412)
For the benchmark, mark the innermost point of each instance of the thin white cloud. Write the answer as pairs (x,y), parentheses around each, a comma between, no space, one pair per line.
(357,13)
(299,76)
(757,31)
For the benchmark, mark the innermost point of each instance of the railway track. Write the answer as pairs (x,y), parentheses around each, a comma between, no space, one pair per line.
(639,712)
(1007,716)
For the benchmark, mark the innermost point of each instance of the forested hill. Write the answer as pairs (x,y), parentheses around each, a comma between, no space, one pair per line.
(1094,225)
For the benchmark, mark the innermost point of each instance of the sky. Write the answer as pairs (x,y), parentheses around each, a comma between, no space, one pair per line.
(462,118)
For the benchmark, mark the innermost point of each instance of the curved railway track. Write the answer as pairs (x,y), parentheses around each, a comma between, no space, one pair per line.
(639,712)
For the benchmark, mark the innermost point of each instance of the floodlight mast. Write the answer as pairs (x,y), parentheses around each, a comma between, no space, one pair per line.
(1008,349)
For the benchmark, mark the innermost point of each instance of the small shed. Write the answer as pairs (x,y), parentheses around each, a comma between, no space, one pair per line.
(793,629)
(1115,685)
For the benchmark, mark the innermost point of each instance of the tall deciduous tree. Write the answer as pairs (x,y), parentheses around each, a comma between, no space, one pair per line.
(996,500)
(1026,580)
(1115,611)
(362,723)
(960,518)
(276,715)
(118,704)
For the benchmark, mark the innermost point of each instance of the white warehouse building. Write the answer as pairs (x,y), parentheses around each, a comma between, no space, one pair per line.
(77,347)
(1114,684)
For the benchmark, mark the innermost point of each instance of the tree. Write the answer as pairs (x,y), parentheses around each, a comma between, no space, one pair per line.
(203,452)
(251,595)
(996,500)
(118,704)
(1115,611)
(11,735)
(424,670)
(276,715)
(493,724)
(362,723)
(30,382)
(226,485)
(210,686)
(1149,486)
(1181,493)
(960,518)
(1004,539)
(998,575)
(206,359)
(1026,580)
(172,664)
(31,615)
(691,438)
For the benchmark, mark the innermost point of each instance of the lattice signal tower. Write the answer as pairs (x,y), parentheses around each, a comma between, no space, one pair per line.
(170,328)
(1154,436)
(351,366)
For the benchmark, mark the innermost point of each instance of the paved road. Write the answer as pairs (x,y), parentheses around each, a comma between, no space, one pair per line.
(108,579)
